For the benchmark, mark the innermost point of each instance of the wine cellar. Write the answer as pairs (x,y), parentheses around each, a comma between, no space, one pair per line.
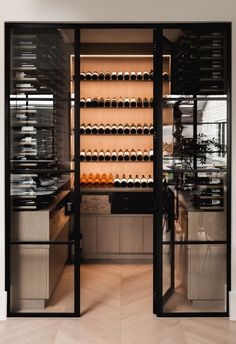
(118,152)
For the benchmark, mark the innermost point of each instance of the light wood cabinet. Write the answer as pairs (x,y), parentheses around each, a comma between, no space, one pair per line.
(131,234)
(35,269)
(117,236)
(88,228)
(108,235)
(147,234)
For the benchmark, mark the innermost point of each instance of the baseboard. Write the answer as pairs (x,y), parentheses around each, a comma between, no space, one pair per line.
(232,305)
(3,305)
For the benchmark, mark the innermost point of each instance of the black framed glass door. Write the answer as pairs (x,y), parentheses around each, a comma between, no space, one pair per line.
(194,243)
(42,230)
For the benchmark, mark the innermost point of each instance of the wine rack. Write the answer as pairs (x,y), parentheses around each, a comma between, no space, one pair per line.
(199,63)
(109,87)
(38,117)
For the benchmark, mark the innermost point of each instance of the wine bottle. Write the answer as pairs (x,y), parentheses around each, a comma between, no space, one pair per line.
(82,102)
(143,182)
(151,154)
(151,75)
(120,155)
(145,75)
(165,76)
(101,102)
(101,76)
(145,102)
(126,155)
(150,181)
(133,76)
(101,129)
(120,76)
(151,102)
(107,102)
(139,102)
(95,76)
(145,129)
(114,129)
(123,182)
(103,181)
(107,129)
(101,155)
(139,155)
(88,102)
(90,181)
(145,155)
(97,180)
(120,129)
(95,129)
(113,155)
(151,129)
(88,76)
(137,182)
(117,181)
(88,129)
(107,76)
(82,155)
(126,76)
(82,128)
(114,76)
(139,129)
(133,155)
(83,181)
(139,76)
(120,102)
(107,155)
(82,76)
(209,202)
(133,129)
(114,102)
(130,182)
(95,155)
(88,156)
(94,102)
(110,181)
(133,102)
(126,128)
(126,102)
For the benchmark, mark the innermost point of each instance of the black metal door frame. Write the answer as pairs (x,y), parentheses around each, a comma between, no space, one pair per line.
(157,144)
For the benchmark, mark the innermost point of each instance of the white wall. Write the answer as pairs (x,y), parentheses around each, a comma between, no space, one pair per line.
(114,10)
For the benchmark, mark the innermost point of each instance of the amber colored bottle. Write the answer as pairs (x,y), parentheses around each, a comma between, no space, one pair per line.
(97,180)
(90,181)
(110,181)
(103,181)
(83,180)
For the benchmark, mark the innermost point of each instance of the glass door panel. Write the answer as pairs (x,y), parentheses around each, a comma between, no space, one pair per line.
(195,172)
(42,239)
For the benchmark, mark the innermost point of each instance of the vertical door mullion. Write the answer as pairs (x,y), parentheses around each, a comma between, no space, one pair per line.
(158,168)
(77,172)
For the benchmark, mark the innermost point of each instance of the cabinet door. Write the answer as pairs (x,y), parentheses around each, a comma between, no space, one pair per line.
(108,234)
(131,234)
(88,228)
(148,234)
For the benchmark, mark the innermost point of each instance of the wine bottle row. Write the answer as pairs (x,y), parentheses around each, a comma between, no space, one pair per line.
(120,76)
(103,180)
(116,75)
(117,156)
(114,102)
(116,129)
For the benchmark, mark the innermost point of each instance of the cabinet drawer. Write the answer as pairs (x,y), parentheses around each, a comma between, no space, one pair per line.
(132,203)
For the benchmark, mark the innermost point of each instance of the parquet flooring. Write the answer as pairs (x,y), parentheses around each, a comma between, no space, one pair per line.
(116,304)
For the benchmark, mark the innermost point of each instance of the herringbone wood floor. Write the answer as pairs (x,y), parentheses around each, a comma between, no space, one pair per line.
(116,303)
